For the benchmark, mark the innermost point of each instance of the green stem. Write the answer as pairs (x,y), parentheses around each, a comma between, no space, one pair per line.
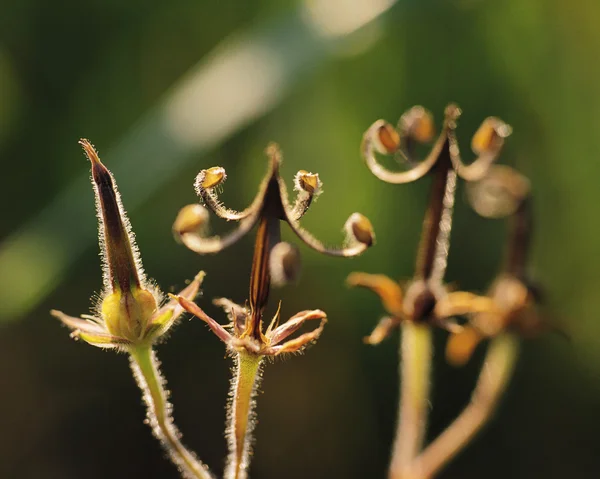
(240,418)
(494,378)
(145,369)
(415,368)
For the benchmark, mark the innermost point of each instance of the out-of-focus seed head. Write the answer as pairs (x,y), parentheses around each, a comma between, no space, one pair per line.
(191,219)
(418,124)
(510,293)
(461,345)
(284,264)
(359,227)
(210,178)
(499,193)
(273,152)
(309,182)
(452,112)
(489,133)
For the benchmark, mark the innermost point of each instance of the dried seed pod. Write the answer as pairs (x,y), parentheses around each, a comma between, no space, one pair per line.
(309,182)
(499,193)
(284,263)
(210,178)
(360,229)
(127,314)
(386,140)
(271,202)
(487,137)
(417,123)
(191,219)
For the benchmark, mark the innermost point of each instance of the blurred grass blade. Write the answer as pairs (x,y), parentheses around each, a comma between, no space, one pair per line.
(244,78)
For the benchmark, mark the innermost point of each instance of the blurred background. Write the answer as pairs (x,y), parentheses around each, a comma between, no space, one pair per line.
(164,89)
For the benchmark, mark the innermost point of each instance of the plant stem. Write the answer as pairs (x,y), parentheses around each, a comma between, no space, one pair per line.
(415,367)
(494,377)
(435,235)
(145,369)
(240,417)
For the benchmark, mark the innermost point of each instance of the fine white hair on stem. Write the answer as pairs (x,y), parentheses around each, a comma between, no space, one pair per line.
(442,242)
(210,197)
(369,149)
(487,144)
(241,416)
(144,365)
(495,375)
(415,370)
(89,150)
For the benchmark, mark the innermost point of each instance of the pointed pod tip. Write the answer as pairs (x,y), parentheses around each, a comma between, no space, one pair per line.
(90,151)
(100,174)
(273,151)
(452,112)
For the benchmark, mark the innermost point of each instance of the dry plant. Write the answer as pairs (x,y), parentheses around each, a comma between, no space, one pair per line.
(508,309)
(132,315)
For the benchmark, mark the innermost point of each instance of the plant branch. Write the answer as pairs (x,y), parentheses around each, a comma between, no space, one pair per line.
(415,367)
(494,377)
(240,417)
(145,369)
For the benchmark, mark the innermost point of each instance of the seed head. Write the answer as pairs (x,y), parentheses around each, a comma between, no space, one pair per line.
(128,313)
(417,123)
(191,219)
(359,228)
(210,178)
(489,133)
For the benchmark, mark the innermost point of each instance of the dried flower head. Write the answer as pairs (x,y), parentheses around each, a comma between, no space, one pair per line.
(128,311)
(274,262)
(423,302)
(502,193)
(416,126)
(271,205)
(427,299)
(242,335)
(516,305)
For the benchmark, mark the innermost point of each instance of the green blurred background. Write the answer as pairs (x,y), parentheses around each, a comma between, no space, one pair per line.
(166,89)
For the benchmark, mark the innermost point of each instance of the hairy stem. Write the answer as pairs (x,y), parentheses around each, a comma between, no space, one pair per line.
(415,368)
(145,369)
(435,234)
(519,239)
(240,417)
(493,380)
